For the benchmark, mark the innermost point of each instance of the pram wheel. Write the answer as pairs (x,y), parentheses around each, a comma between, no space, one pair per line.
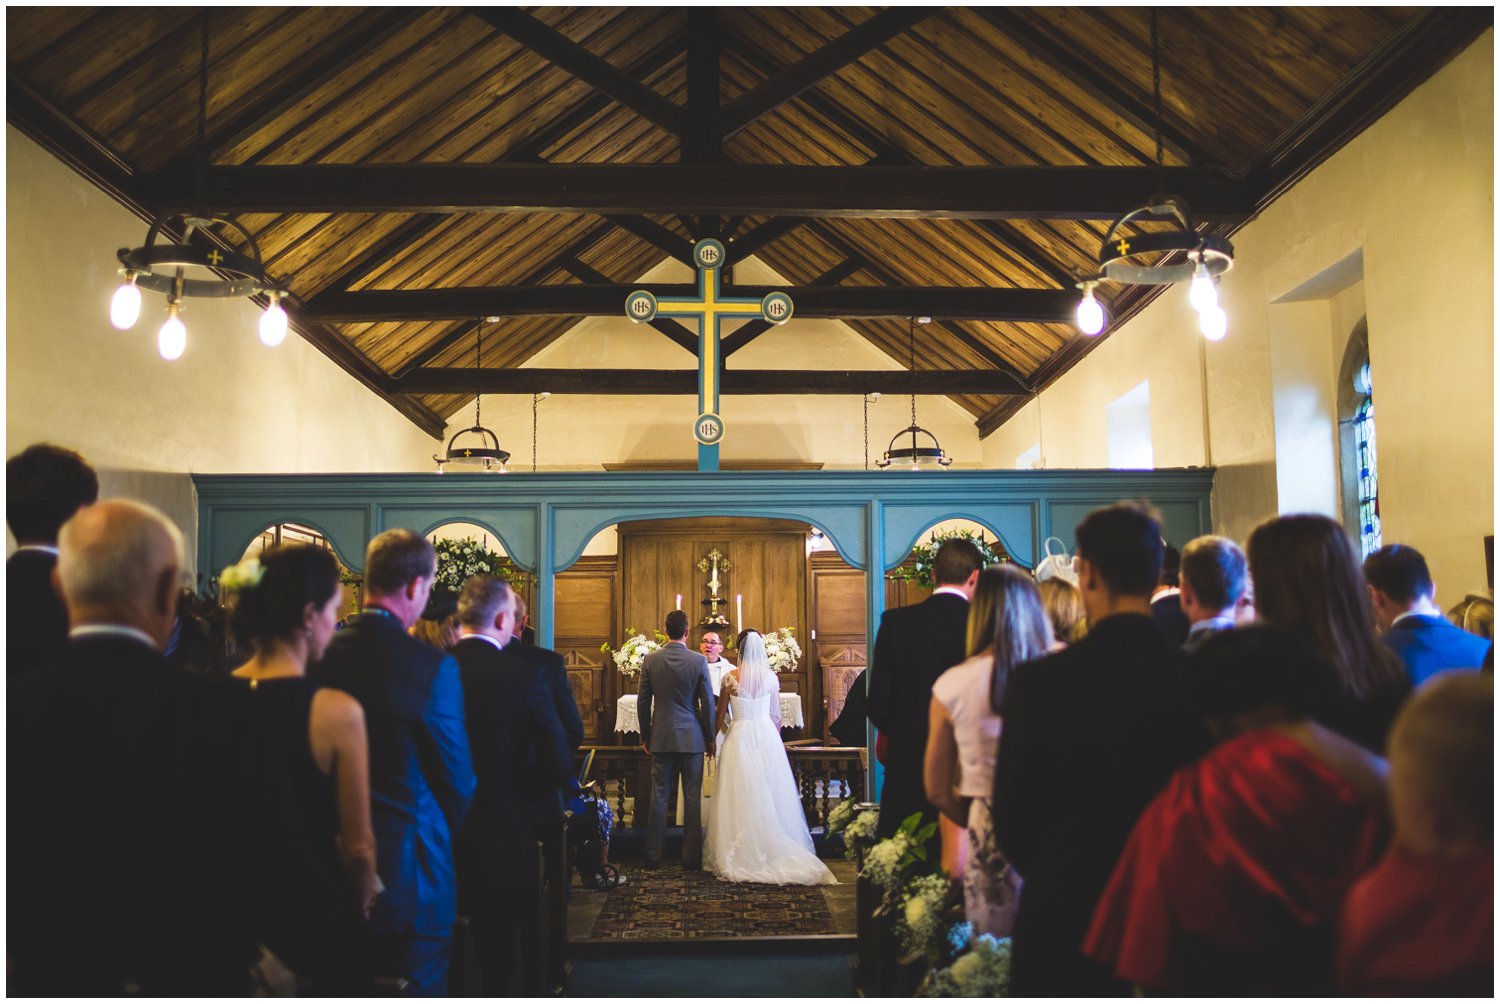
(607,877)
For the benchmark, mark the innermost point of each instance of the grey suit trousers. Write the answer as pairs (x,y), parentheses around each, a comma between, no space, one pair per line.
(666,768)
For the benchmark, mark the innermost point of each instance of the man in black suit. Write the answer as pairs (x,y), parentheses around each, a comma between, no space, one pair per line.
(521,758)
(1166,602)
(1401,592)
(127,868)
(1213,583)
(421,774)
(916,645)
(548,812)
(44,486)
(1090,735)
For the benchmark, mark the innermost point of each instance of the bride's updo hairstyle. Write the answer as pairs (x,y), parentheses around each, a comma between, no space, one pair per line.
(273,606)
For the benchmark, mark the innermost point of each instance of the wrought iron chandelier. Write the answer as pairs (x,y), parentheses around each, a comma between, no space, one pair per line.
(917,457)
(487,454)
(162,268)
(1146,259)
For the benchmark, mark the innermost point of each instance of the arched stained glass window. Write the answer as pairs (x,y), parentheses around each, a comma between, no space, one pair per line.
(1368,474)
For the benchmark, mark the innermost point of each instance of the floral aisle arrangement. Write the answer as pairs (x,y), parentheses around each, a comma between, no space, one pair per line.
(925,918)
(893,860)
(630,656)
(982,971)
(920,571)
(458,559)
(857,823)
(782,650)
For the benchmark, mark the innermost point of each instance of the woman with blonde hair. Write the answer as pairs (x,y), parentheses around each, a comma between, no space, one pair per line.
(1064,605)
(1007,626)
(1308,581)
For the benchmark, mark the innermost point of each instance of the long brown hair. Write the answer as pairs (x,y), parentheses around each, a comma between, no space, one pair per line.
(1308,581)
(1006,617)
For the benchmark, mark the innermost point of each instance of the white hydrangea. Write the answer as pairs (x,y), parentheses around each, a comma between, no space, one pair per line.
(883,861)
(631,656)
(782,650)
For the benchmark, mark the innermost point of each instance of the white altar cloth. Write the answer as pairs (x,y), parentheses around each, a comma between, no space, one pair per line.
(627,716)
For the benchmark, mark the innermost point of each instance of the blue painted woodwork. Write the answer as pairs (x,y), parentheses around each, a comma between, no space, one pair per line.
(544,521)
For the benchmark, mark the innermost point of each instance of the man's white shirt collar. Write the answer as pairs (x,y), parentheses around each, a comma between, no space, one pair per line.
(482,637)
(1211,624)
(118,630)
(952,591)
(45,548)
(1410,613)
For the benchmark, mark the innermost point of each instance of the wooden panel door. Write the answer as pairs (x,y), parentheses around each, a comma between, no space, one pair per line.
(585,609)
(838,620)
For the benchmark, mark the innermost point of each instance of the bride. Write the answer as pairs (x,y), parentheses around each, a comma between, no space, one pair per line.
(756,830)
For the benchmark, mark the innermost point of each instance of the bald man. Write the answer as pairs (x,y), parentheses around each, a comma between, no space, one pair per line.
(128,873)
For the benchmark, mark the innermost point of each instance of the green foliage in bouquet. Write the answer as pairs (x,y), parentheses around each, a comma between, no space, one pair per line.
(458,559)
(920,571)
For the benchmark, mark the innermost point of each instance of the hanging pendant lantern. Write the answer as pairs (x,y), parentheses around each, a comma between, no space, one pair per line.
(916,455)
(485,451)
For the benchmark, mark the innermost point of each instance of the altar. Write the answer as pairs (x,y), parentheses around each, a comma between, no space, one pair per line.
(627,717)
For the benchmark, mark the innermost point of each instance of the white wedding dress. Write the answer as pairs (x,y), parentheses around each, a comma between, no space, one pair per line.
(755,828)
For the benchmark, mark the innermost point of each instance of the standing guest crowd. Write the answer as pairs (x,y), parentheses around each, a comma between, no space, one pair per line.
(312,820)
(1266,771)
(1217,774)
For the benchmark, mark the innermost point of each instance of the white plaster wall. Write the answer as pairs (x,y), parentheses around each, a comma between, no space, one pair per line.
(230,404)
(1414,195)
(580,432)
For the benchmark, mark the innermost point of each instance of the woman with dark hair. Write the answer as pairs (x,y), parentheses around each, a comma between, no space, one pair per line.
(1308,581)
(1231,881)
(317,876)
(1007,626)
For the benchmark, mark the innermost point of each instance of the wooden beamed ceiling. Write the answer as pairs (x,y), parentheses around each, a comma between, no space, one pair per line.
(407,171)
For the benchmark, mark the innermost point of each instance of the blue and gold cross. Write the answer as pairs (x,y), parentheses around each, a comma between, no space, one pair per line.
(708,308)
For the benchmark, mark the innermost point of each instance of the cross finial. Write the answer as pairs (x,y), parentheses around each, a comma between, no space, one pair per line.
(1124,246)
(214,257)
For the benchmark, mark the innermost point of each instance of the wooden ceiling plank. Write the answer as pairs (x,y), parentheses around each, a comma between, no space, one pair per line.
(582,63)
(58,27)
(656,235)
(684,381)
(751,330)
(788,83)
(679,333)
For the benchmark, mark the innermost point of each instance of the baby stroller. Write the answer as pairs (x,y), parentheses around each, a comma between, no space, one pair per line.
(590,821)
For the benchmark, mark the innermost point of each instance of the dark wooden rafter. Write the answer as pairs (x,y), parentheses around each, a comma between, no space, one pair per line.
(701,141)
(122,181)
(907,192)
(679,333)
(656,235)
(773,229)
(751,330)
(583,64)
(1038,306)
(1102,87)
(793,80)
(521,380)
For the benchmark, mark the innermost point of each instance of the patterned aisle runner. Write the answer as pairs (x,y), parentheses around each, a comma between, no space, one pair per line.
(671,903)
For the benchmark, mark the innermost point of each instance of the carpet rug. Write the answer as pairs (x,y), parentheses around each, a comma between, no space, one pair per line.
(671,903)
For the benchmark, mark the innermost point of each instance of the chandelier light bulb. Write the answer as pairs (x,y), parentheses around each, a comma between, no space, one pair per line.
(1202,294)
(172,339)
(1214,323)
(273,323)
(1090,313)
(125,308)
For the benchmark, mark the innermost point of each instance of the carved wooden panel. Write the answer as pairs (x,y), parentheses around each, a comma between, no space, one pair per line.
(838,613)
(586,612)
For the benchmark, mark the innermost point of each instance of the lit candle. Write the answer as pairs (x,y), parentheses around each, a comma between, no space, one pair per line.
(679,602)
(739,611)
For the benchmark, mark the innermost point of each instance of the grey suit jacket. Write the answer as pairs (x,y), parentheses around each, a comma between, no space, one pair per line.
(682,720)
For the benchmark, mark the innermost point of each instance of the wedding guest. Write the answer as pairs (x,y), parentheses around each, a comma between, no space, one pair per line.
(1401,591)
(1422,923)
(311,799)
(1091,734)
(1007,627)
(1064,605)
(438,626)
(913,647)
(421,774)
(1475,613)
(1231,881)
(520,756)
(1308,581)
(131,870)
(1166,601)
(44,486)
(1212,582)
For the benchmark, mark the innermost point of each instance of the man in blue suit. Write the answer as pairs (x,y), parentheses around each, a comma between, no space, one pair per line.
(1401,590)
(421,773)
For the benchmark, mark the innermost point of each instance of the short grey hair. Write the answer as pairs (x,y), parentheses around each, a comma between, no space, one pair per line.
(109,553)
(482,598)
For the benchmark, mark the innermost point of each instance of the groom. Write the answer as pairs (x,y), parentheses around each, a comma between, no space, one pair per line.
(675,732)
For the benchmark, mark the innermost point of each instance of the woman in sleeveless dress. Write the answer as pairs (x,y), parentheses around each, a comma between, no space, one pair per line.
(315,877)
(756,828)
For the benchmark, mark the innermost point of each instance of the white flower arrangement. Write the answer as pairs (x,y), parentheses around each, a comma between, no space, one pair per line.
(842,815)
(859,832)
(982,971)
(630,656)
(457,560)
(885,861)
(782,650)
(245,575)
(922,921)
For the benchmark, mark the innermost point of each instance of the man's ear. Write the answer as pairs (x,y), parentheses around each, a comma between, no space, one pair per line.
(972,582)
(165,599)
